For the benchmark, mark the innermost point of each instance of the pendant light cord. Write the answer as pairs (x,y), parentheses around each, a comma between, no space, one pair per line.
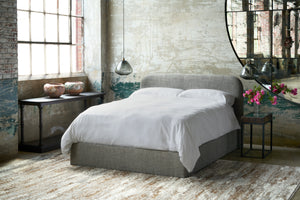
(123,32)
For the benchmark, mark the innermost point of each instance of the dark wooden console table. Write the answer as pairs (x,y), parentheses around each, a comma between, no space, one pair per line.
(47,144)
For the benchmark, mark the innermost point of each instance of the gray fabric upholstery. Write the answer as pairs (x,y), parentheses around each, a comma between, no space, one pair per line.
(165,162)
(149,161)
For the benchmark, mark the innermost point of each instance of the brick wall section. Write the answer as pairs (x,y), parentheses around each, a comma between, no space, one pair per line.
(8,39)
(79,36)
(8,79)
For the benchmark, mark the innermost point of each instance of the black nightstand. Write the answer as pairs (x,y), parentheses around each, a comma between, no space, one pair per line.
(256,119)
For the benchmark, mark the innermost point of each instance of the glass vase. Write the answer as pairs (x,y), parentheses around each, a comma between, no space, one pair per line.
(256,109)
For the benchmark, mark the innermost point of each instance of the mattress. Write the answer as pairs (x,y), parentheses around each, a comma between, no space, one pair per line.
(168,122)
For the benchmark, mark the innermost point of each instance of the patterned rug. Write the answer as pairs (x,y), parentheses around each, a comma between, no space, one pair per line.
(50,176)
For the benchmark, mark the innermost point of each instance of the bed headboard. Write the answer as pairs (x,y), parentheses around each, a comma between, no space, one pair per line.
(230,84)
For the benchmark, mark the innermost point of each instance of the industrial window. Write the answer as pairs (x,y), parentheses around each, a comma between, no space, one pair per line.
(50,36)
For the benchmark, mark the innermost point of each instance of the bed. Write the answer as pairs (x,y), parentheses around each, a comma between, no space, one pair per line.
(159,161)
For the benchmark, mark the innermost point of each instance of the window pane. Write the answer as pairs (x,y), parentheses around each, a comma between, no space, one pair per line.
(77,30)
(238,33)
(77,58)
(51,28)
(64,34)
(23,26)
(262,31)
(23,4)
(51,6)
(74,68)
(293,27)
(38,59)
(64,59)
(23,59)
(64,7)
(234,5)
(37,5)
(77,7)
(51,59)
(37,27)
(277,30)
(278,4)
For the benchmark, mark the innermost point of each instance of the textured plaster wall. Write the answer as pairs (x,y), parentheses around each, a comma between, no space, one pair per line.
(163,36)
(95,41)
(169,37)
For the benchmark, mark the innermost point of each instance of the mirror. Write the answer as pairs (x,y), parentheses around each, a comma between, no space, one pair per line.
(265,36)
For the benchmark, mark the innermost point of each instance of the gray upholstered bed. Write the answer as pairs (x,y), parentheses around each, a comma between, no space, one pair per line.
(165,162)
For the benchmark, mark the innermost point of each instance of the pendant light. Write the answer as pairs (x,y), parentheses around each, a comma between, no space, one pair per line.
(249,71)
(123,68)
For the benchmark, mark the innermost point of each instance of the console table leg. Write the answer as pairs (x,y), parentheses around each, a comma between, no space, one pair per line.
(85,104)
(251,130)
(22,124)
(40,125)
(242,138)
(271,132)
(263,142)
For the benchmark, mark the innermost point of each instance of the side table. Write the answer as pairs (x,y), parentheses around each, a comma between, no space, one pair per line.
(256,119)
(47,144)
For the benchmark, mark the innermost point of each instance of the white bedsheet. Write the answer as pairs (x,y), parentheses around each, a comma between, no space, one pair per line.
(164,123)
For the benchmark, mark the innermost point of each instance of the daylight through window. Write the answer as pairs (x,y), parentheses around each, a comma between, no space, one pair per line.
(50,36)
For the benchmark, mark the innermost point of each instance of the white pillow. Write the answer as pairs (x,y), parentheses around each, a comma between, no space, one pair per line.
(157,91)
(218,95)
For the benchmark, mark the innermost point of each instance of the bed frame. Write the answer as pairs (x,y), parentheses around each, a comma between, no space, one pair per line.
(158,162)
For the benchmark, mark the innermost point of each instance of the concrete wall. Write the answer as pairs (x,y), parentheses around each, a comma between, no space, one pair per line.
(8,79)
(163,36)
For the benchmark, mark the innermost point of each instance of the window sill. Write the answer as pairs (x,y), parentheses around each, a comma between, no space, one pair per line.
(50,76)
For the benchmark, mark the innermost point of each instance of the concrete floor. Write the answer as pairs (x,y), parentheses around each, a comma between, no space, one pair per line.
(279,156)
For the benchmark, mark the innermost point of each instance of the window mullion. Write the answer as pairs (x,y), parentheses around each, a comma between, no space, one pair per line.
(30,46)
(58,47)
(45,36)
(70,35)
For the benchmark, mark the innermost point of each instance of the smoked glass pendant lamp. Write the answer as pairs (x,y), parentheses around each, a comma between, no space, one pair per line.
(249,70)
(123,68)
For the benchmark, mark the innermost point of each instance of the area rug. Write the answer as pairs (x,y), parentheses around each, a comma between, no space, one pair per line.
(50,176)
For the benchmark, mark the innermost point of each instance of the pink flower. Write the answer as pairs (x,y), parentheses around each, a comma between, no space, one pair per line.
(244,94)
(294,91)
(274,100)
(282,85)
(262,92)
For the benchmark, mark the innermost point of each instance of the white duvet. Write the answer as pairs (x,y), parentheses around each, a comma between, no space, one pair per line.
(149,122)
